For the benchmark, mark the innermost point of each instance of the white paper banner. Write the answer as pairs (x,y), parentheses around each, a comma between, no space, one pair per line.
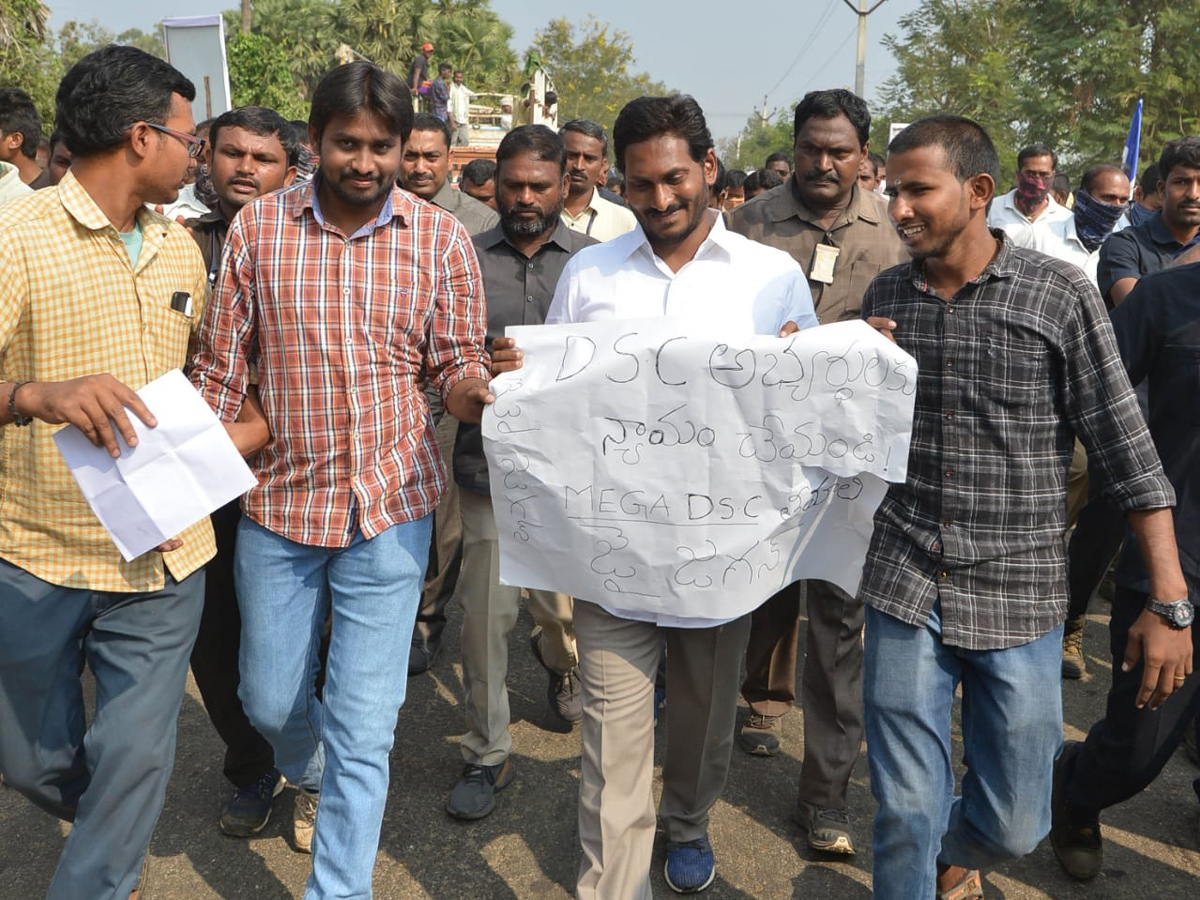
(673,477)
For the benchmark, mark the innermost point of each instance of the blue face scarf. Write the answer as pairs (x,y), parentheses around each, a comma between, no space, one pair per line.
(1094,220)
(1139,214)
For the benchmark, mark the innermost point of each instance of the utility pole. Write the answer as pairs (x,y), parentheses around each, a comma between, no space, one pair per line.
(860,70)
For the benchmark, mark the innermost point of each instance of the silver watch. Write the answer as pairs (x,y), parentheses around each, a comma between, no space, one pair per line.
(1178,613)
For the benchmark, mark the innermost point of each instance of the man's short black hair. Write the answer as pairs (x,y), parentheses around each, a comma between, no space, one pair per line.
(777,156)
(538,141)
(769,178)
(1180,152)
(445,67)
(1094,172)
(111,89)
(969,151)
(359,87)
(261,121)
(1061,182)
(478,172)
(18,115)
(1151,176)
(615,180)
(678,115)
(429,122)
(1034,150)
(55,140)
(735,178)
(589,128)
(876,161)
(830,104)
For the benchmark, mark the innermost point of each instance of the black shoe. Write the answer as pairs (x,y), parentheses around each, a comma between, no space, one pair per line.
(475,794)
(1074,834)
(247,813)
(828,829)
(564,692)
(422,655)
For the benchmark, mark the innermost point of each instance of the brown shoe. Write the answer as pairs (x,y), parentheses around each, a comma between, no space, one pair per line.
(1073,664)
(969,887)
(143,877)
(304,820)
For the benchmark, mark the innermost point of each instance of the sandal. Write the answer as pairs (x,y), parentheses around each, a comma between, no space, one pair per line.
(970,888)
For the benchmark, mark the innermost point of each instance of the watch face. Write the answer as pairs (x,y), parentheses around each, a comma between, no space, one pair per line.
(1184,613)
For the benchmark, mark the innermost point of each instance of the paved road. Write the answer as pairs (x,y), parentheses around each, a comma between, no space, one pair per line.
(527,848)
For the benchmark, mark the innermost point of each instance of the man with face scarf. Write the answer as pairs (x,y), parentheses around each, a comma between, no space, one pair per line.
(1100,202)
(1028,210)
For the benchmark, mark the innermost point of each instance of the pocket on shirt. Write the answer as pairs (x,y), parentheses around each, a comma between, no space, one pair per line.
(170,331)
(1013,372)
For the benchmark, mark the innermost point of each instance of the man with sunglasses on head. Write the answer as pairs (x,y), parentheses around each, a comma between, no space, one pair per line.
(91,283)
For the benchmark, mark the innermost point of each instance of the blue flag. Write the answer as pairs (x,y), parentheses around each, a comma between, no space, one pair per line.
(1129,156)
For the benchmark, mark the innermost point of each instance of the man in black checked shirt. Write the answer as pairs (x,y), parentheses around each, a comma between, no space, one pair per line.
(965,580)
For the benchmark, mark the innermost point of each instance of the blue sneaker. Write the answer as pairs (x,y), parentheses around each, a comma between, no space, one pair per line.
(690,866)
(660,701)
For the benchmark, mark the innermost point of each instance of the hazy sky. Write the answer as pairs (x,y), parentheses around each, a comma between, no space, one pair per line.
(726,55)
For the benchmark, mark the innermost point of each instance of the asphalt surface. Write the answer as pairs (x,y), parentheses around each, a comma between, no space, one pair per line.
(528,848)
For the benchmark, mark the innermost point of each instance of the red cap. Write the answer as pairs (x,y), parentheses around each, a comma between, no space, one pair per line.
(427,46)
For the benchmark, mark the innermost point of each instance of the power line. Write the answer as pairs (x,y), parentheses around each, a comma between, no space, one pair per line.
(812,36)
(844,42)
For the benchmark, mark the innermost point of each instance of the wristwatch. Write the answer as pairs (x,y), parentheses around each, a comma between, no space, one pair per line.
(1178,613)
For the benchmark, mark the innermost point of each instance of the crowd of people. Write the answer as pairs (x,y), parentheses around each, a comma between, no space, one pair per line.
(341,305)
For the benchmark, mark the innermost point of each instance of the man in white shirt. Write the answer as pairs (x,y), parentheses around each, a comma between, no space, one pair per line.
(587,165)
(680,261)
(1102,199)
(460,110)
(1028,209)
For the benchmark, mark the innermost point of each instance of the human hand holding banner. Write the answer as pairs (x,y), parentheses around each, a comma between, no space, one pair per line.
(684,478)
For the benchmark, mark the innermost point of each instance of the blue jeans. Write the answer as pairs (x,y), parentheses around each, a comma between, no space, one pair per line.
(109,777)
(1012,731)
(339,747)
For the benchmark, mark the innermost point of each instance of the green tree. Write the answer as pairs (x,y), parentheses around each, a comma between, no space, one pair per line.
(592,69)
(27,57)
(761,137)
(260,75)
(467,33)
(960,57)
(1065,72)
(1089,62)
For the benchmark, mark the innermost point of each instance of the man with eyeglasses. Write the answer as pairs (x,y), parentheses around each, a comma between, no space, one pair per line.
(98,296)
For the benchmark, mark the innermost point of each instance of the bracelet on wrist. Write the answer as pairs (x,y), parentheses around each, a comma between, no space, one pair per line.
(17,419)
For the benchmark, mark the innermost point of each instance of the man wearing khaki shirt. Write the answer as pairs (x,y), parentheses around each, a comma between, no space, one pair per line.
(841,237)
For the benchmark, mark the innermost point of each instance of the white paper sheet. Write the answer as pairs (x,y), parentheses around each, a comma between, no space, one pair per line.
(180,471)
(673,477)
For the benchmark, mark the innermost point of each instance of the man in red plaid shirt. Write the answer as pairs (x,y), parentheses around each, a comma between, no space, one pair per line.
(344,294)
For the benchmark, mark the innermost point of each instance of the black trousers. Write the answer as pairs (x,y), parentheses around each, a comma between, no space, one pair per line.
(1125,751)
(248,756)
(1099,532)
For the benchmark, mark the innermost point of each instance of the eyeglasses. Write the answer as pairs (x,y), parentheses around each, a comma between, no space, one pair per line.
(195,145)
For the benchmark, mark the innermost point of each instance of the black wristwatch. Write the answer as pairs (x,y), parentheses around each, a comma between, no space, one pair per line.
(1178,613)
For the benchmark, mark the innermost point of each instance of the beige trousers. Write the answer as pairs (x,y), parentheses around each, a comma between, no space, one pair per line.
(618,659)
(489,616)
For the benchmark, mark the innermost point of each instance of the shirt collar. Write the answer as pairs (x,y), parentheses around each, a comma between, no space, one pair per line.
(784,203)
(1160,233)
(307,199)
(486,240)
(1003,265)
(719,238)
(83,209)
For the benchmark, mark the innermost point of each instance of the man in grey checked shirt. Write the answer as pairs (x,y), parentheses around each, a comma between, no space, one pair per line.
(965,581)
